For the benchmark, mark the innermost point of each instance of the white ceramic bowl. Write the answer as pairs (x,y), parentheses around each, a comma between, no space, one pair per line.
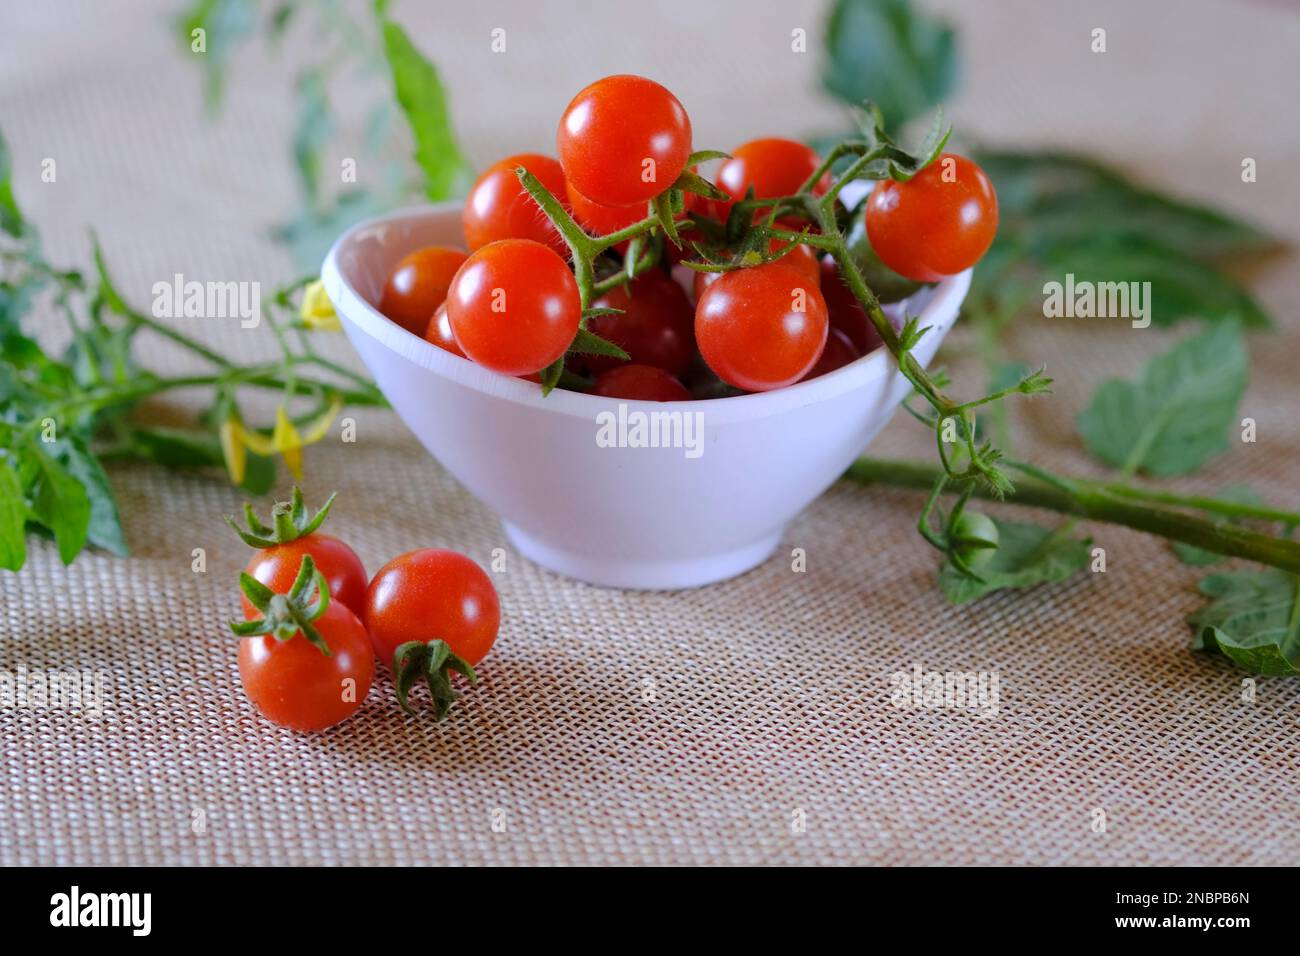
(636,517)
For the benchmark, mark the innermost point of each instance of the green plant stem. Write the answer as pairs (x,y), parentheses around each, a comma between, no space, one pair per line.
(1098,501)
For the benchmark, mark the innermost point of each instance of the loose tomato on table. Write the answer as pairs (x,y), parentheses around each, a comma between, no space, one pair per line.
(656,326)
(623,140)
(418,285)
(938,223)
(514,306)
(498,207)
(772,167)
(761,328)
(643,383)
(291,536)
(305,665)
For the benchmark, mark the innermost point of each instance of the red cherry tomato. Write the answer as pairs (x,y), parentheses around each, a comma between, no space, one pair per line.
(277,567)
(294,685)
(838,353)
(845,311)
(418,285)
(429,595)
(657,326)
(439,332)
(498,207)
(773,166)
(623,140)
(938,223)
(802,259)
(602,220)
(761,328)
(514,306)
(642,383)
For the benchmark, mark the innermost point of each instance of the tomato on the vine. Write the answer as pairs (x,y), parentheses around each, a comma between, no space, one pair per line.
(418,285)
(801,258)
(845,311)
(938,223)
(295,685)
(498,207)
(772,166)
(623,140)
(601,220)
(439,332)
(656,326)
(839,352)
(431,594)
(761,328)
(642,383)
(514,306)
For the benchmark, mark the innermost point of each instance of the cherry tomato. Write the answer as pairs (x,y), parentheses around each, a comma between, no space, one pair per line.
(802,259)
(657,326)
(601,220)
(845,311)
(418,285)
(439,332)
(277,567)
(839,352)
(642,383)
(773,166)
(498,207)
(514,306)
(294,685)
(623,140)
(761,328)
(938,223)
(429,595)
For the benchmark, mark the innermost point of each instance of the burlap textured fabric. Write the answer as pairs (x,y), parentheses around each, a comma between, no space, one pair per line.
(748,722)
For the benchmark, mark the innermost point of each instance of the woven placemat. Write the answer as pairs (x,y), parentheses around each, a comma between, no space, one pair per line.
(748,722)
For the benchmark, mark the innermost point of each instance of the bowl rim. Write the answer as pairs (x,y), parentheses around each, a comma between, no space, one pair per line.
(355,311)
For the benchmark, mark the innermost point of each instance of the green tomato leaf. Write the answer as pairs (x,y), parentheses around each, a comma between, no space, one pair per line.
(104,527)
(11,217)
(1251,619)
(13,518)
(589,343)
(312,131)
(1027,554)
(1179,411)
(60,503)
(424,101)
(177,447)
(890,53)
(1199,557)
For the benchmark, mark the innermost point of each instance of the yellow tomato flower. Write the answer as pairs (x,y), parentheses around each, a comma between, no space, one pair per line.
(317,310)
(285,439)
(233,449)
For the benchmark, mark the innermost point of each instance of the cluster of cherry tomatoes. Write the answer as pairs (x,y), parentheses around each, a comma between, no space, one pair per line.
(512,303)
(430,609)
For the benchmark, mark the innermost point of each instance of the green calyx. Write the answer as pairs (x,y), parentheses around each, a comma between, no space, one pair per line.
(286,615)
(434,661)
(289,522)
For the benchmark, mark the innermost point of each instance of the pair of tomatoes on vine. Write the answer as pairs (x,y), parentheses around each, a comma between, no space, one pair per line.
(314,623)
(514,304)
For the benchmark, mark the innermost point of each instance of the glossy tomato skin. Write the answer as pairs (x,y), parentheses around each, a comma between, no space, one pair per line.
(514,306)
(439,332)
(657,326)
(801,258)
(600,220)
(294,685)
(761,328)
(772,166)
(839,352)
(498,207)
(938,223)
(277,568)
(623,140)
(418,285)
(432,594)
(642,383)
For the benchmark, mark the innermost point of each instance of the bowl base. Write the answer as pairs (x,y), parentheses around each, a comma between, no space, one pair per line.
(643,575)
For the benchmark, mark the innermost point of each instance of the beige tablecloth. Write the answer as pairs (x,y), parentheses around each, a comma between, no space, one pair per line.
(771,703)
